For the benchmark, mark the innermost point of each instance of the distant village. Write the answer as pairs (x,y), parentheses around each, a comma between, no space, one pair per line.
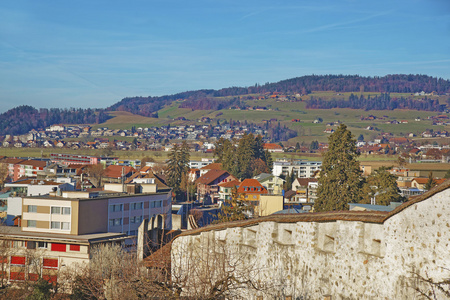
(201,138)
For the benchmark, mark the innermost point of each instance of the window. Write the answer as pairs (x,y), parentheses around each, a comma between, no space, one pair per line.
(133,232)
(65,225)
(42,245)
(18,244)
(137,205)
(66,210)
(32,208)
(56,210)
(158,203)
(115,207)
(31,223)
(56,225)
(137,219)
(115,222)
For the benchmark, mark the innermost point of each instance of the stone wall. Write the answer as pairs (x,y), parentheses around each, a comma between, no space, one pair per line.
(350,256)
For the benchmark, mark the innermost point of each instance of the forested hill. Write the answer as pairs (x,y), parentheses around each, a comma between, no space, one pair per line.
(23,118)
(147,106)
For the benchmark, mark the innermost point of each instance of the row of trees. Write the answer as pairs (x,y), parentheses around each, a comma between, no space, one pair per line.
(22,119)
(246,160)
(341,181)
(380,102)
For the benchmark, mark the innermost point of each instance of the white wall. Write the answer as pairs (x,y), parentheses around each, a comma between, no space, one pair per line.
(344,259)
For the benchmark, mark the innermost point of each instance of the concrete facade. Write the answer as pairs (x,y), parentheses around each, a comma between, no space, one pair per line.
(345,255)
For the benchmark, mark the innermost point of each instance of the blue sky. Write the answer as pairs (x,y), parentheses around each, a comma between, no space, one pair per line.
(94,53)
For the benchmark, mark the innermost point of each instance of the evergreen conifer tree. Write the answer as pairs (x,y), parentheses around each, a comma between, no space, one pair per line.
(430,182)
(384,185)
(340,179)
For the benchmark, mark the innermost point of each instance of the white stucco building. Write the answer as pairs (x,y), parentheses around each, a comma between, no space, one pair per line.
(300,168)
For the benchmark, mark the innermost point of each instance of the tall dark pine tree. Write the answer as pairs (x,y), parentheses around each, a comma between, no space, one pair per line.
(178,164)
(340,179)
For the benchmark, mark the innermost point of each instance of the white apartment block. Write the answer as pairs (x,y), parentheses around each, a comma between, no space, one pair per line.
(300,168)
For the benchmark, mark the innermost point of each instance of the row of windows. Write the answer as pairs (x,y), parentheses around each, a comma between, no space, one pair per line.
(55,210)
(44,245)
(53,224)
(134,206)
(118,221)
(247,188)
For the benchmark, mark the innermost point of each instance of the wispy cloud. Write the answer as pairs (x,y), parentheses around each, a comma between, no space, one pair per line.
(341,24)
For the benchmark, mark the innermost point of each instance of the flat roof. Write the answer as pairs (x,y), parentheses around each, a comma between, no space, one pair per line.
(13,232)
(99,197)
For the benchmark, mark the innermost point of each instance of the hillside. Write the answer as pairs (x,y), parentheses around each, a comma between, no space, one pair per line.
(224,98)
(314,92)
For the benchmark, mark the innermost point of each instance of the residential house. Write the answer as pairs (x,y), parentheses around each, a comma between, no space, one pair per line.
(117,173)
(420,182)
(226,189)
(251,190)
(274,148)
(305,192)
(208,185)
(273,184)
(209,167)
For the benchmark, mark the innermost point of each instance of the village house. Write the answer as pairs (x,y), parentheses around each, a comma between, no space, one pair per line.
(208,185)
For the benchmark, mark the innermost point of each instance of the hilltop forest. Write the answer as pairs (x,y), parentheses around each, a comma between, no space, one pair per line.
(22,119)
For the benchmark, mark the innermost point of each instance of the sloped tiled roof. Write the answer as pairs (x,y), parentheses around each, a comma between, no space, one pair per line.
(305,181)
(271,146)
(114,171)
(253,184)
(12,160)
(34,163)
(211,176)
(230,184)
(212,166)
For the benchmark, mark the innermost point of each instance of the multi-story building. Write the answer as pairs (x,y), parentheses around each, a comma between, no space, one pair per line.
(300,168)
(70,159)
(77,212)
(60,230)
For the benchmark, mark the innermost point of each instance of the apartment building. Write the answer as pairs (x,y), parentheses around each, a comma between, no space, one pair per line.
(300,168)
(60,229)
(77,212)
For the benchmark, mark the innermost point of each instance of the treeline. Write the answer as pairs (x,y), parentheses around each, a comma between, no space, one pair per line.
(384,101)
(22,119)
(351,83)
(148,106)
